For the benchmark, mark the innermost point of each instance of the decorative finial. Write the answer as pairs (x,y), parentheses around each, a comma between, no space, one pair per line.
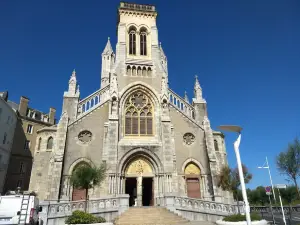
(74,73)
(186,98)
(108,38)
(196,77)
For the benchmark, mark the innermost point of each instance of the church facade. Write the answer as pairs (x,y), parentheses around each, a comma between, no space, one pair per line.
(153,141)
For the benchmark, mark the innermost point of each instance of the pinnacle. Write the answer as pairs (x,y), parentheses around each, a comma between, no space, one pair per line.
(108,48)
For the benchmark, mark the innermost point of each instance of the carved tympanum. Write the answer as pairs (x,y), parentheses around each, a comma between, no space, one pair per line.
(188,138)
(85,136)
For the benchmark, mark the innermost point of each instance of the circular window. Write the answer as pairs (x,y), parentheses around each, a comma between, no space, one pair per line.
(188,138)
(85,136)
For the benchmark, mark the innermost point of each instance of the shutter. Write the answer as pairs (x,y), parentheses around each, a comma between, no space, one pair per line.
(127,125)
(149,126)
(135,125)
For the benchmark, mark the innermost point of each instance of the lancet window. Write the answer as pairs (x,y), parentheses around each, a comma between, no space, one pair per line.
(132,41)
(138,115)
(143,41)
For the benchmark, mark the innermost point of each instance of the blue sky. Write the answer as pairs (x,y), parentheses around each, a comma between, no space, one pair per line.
(246,55)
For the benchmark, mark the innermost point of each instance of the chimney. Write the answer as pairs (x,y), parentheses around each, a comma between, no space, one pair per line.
(23,105)
(52,112)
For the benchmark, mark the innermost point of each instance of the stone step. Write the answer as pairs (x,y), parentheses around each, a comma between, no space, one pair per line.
(149,215)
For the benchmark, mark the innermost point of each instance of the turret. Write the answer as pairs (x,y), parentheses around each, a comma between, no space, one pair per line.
(108,60)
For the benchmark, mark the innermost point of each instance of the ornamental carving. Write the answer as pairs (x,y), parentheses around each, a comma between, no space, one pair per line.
(139,167)
(85,136)
(188,138)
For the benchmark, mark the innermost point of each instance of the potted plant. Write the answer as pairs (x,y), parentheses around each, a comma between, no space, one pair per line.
(80,217)
(239,219)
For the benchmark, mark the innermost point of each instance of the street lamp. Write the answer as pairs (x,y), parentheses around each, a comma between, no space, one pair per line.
(236,145)
(268,167)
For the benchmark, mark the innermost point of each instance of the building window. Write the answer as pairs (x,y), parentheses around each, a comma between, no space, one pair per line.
(216,145)
(0,113)
(29,129)
(39,143)
(132,41)
(138,115)
(8,119)
(50,143)
(27,145)
(143,41)
(4,138)
(22,168)
(19,184)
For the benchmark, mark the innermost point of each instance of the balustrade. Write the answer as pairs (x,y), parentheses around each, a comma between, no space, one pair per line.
(90,102)
(183,106)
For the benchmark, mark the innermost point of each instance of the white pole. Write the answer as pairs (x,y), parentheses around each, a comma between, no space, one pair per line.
(271,179)
(283,216)
(241,174)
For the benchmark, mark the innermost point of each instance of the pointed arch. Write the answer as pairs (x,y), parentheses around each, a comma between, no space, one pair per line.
(50,143)
(216,145)
(39,144)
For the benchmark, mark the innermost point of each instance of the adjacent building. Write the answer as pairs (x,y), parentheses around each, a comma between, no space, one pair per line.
(8,121)
(29,122)
(153,141)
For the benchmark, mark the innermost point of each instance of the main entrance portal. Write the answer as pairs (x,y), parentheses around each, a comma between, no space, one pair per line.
(139,183)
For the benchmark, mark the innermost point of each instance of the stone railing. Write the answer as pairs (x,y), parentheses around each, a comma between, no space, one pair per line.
(87,104)
(109,208)
(183,106)
(197,209)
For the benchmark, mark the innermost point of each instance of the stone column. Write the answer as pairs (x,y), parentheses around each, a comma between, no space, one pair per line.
(139,190)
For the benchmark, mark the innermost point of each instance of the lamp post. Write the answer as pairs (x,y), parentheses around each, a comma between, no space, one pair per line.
(236,145)
(268,167)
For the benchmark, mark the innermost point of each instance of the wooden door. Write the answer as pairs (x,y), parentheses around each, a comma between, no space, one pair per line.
(78,194)
(193,187)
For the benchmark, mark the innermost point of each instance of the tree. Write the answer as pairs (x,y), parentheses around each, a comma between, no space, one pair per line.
(288,162)
(86,177)
(258,196)
(229,180)
(289,194)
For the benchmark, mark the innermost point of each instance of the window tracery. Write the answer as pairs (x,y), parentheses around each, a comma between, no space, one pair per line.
(143,41)
(138,115)
(188,138)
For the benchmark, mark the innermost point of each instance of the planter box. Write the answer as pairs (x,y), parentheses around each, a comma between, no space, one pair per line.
(260,222)
(94,224)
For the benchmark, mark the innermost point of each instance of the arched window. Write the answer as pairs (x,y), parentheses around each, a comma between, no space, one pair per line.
(138,115)
(216,145)
(50,143)
(132,41)
(39,143)
(143,41)
(128,71)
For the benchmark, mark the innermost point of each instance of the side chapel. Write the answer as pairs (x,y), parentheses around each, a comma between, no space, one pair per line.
(153,141)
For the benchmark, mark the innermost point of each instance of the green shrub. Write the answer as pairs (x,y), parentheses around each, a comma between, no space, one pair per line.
(239,217)
(80,217)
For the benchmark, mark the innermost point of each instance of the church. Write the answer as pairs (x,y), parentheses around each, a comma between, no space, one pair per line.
(153,141)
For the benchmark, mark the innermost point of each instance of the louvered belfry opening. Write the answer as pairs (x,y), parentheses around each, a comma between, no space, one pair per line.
(138,115)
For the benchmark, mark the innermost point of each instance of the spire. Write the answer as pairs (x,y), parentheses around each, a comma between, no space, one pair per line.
(108,49)
(73,83)
(162,52)
(186,98)
(197,89)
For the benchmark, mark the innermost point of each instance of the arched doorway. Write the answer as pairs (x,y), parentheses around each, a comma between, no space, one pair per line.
(139,183)
(192,176)
(79,194)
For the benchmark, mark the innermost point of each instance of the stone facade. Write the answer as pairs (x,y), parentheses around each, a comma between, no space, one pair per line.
(8,121)
(133,120)
(28,123)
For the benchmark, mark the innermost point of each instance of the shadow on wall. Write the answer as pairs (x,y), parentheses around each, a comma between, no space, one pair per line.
(20,164)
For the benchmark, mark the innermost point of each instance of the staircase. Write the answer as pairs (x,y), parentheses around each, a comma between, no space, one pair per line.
(149,215)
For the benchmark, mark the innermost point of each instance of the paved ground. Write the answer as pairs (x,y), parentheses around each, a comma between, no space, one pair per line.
(294,219)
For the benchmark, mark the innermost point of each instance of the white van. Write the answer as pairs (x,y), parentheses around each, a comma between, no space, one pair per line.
(19,209)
